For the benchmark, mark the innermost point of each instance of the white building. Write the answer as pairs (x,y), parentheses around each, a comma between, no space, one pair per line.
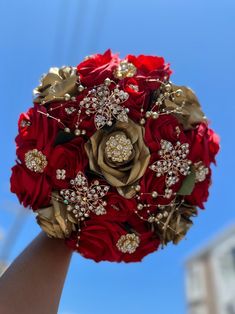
(210,277)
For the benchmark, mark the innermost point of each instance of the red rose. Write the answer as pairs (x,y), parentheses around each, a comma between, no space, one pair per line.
(118,208)
(138,99)
(150,67)
(40,135)
(97,68)
(34,143)
(213,144)
(150,183)
(32,189)
(98,241)
(24,123)
(69,159)
(204,144)
(36,127)
(165,127)
(148,241)
(67,112)
(200,193)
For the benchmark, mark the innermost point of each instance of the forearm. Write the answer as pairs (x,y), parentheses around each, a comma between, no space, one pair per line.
(34,282)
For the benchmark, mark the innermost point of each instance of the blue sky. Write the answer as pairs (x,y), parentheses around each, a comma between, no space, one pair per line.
(197,38)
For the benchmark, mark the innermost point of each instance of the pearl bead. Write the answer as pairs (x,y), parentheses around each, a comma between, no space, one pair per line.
(142,121)
(159,216)
(140,206)
(77,132)
(137,188)
(67,97)
(179,92)
(168,87)
(148,114)
(67,130)
(107,81)
(81,88)
(154,194)
(155,115)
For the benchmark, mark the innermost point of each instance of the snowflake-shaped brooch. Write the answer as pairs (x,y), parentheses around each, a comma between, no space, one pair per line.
(82,199)
(106,104)
(173,162)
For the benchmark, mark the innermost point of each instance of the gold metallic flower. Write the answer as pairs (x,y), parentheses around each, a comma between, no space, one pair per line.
(182,102)
(128,243)
(58,84)
(35,160)
(120,155)
(124,69)
(55,220)
(172,224)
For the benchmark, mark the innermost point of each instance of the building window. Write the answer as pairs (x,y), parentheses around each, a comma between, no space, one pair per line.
(195,282)
(233,258)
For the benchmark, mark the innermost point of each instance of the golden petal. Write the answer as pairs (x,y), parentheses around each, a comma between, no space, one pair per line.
(55,219)
(56,84)
(191,113)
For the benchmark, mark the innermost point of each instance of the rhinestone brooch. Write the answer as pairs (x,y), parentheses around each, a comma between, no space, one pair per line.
(173,162)
(105,105)
(201,171)
(118,148)
(35,160)
(82,199)
(128,243)
(124,69)
(60,174)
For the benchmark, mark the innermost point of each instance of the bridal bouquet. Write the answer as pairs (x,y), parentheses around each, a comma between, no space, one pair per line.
(113,157)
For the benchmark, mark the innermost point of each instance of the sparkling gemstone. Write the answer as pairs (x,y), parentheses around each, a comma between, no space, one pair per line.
(173,162)
(60,174)
(118,148)
(84,198)
(201,171)
(35,161)
(128,243)
(70,110)
(24,123)
(105,104)
(134,87)
(125,69)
